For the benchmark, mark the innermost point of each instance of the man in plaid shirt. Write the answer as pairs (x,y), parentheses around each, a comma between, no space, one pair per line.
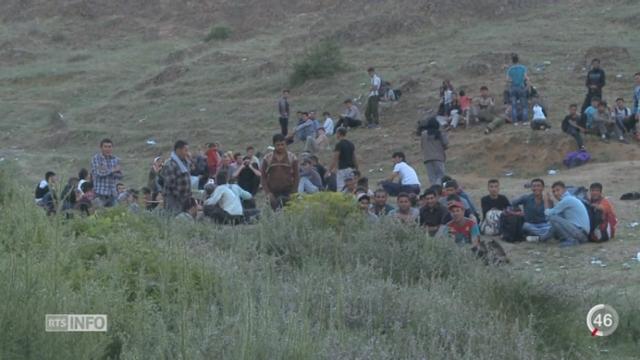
(177,178)
(106,172)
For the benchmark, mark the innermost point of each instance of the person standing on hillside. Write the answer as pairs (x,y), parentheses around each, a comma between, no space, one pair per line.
(434,144)
(280,173)
(176,178)
(595,82)
(344,159)
(371,114)
(283,111)
(106,172)
(517,74)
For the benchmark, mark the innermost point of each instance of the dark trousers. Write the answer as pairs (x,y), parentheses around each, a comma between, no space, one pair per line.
(393,188)
(371,113)
(279,200)
(284,125)
(220,216)
(591,94)
(575,133)
(346,122)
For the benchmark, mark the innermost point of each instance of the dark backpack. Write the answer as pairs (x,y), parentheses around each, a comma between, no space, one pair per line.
(576,158)
(511,227)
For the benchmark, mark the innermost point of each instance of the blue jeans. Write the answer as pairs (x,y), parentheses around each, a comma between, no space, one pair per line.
(519,94)
(564,230)
(305,186)
(540,229)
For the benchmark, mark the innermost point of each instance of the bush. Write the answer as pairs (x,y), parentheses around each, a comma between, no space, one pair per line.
(319,62)
(218,33)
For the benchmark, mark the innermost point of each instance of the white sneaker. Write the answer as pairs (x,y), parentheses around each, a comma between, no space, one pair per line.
(533,238)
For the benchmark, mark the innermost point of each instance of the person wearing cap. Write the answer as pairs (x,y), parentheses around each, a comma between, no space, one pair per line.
(462,229)
(432,213)
(364,204)
(404,212)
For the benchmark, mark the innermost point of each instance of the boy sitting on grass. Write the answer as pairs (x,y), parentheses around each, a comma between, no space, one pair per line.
(462,229)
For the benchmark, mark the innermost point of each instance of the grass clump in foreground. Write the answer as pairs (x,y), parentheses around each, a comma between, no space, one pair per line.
(321,61)
(286,288)
(219,32)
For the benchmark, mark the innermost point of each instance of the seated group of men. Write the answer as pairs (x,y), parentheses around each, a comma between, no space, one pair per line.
(448,211)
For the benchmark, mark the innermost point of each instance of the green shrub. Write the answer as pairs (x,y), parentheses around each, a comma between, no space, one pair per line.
(218,33)
(321,61)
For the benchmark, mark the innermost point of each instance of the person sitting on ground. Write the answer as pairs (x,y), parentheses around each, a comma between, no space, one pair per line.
(350,184)
(189,211)
(461,229)
(280,173)
(434,143)
(432,213)
(569,218)
(448,200)
(154,180)
(234,165)
(408,183)
(225,164)
(310,180)
(320,169)
(69,193)
(83,176)
(132,201)
(364,203)
(465,106)
(535,221)
(328,123)
(607,230)
(451,187)
(492,116)
(495,200)
(303,131)
(44,188)
(539,120)
(350,118)
(316,144)
(85,203)
(316,122)
(248,176)
(621,115)
(588,115)
(225,204)
(121,193)
(380,206)
(363,183)
(404,212)
(483,108)
(571,126)
(606,125)
(199,169)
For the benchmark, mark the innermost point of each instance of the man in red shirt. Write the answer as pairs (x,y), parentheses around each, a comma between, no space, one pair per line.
(607,229)
(213,159)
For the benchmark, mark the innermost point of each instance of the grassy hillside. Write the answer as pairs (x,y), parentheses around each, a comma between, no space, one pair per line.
(139,70)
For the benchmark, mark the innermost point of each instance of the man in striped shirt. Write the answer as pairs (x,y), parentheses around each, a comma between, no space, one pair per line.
(106,172)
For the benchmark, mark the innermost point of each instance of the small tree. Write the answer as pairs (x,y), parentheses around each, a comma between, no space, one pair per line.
(218,33)
(321,61)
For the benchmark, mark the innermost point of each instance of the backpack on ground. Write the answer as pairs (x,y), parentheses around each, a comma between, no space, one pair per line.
(576,158)
(490,226)
(511,227)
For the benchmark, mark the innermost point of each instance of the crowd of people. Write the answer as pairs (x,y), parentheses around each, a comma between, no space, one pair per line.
(226,184)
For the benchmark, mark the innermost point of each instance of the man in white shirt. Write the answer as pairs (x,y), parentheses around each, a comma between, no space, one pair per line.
(328,123)
(408,183)
(225,204)
(371,114)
